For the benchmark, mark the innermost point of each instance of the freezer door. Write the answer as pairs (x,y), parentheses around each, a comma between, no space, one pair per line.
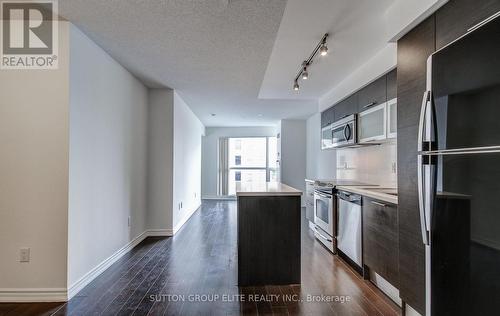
(464,256)
(464,82)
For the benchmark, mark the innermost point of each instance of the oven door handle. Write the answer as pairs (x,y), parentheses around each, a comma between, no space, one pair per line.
(323,195)
(322,236)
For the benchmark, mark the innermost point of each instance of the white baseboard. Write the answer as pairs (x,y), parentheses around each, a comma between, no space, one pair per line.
(185,218)
(160,232)
(409,311)
(61,294)
(101,267)
(13,295)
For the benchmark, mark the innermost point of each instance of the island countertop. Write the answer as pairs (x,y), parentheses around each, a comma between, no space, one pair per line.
(265,189)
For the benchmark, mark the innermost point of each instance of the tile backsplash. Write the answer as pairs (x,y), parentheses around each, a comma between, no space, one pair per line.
(371,164)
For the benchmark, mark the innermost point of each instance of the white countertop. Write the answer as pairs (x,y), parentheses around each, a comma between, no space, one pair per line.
(369,192)
(265,189)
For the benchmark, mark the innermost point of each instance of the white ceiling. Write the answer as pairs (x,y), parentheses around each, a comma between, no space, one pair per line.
(238,58)
(357,31)
(213,52)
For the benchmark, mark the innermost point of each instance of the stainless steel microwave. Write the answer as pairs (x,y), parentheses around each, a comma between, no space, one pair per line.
(340,134)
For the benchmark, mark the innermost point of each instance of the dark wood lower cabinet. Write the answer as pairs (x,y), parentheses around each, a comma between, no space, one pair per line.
(268,240)
(380,239)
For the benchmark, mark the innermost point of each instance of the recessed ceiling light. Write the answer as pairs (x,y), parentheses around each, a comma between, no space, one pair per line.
(259,115)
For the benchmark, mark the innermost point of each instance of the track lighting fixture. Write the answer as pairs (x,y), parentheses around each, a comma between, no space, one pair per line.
(305,74)
(322,49)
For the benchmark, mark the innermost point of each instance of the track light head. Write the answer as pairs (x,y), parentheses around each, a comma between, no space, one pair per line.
(323,50)
(296,86)
(305,74)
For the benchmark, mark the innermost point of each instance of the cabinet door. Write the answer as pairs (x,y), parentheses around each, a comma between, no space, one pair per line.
(392,85)
(346,107)
(392,117)
(324,118)
(327,117)
(331,115)
(380,239)
(372,124)
(373,94)
(457,16)
(413,50)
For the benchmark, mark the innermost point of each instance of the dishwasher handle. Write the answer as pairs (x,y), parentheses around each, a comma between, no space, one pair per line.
(349,197)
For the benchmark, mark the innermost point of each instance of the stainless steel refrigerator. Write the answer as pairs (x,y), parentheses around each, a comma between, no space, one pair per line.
(459,175)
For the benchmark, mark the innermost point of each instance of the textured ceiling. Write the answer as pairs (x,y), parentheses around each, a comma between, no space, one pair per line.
(214,52)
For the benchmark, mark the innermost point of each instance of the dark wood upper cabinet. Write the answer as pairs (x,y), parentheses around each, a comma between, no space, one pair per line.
(392,85)
(324,118)
(380,239)
(373,94)
(346,107)
(413,50)
(327,117)
(457,16)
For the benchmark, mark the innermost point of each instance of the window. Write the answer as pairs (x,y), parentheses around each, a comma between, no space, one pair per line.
(250,159)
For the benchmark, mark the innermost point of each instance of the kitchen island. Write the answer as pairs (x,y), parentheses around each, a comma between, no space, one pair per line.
(268,233)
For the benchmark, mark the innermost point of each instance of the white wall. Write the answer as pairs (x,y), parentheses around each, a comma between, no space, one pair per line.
(188,131)
(107,166)
(78,144)
(321,164)
(293,153)
(210,155)
(160,158)
(34,175)
(174,161)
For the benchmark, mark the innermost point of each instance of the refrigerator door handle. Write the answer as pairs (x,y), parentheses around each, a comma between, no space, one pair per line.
(421,201)
(421,123)
(420,167)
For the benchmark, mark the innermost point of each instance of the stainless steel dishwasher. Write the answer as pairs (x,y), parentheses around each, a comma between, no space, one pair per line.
(349,238)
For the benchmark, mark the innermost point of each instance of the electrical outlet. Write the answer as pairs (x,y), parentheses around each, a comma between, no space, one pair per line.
(129,221)
(394,167)
(24,255)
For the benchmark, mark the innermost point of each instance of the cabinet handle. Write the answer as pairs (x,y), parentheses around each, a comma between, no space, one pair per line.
(379,204)
(369,104)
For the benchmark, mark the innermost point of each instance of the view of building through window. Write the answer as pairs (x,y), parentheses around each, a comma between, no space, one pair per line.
(251,159)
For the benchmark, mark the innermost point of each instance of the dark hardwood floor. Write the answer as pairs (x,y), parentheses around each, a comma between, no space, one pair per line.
(162,276)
